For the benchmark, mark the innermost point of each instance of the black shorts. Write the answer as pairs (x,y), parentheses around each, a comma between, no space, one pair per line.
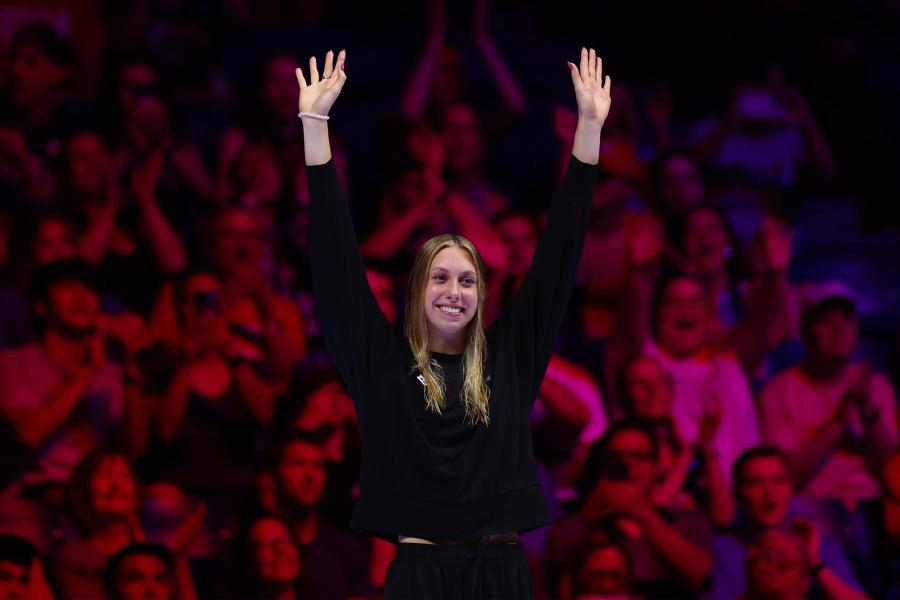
(477,570)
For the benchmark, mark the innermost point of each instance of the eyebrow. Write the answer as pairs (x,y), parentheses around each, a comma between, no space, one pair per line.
(443,270)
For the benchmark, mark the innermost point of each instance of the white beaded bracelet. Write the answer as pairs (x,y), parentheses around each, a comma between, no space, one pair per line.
(313,115)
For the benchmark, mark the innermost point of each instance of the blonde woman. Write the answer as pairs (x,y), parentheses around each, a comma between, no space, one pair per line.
(448,470)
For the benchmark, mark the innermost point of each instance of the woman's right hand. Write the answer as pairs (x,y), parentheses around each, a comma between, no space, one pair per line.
(318,95)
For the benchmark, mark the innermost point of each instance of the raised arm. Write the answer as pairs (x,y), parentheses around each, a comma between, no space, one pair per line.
(537,311)
(352,324)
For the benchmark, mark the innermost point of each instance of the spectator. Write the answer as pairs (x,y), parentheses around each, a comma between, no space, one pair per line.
(335,563)
(62,394)
(764,493)
(600,570)
(21,570)
(833,416)
(104,499)
(270,561)
(147,571)
(668,548)
(692,473)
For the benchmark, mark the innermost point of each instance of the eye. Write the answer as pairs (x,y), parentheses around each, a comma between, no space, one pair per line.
(468,281)
(440,277)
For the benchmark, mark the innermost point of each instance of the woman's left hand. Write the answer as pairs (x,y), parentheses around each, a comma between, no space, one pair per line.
(592,91)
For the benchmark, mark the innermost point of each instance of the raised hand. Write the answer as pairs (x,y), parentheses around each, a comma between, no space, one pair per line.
(319,94)
(592,91)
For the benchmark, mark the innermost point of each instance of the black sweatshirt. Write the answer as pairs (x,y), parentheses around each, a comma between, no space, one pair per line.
(428,475)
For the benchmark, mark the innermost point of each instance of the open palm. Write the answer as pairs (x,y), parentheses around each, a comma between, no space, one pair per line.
(592,92)
(319,94)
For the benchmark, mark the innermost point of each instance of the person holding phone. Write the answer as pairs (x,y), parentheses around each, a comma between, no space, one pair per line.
(448,469)
(668,546)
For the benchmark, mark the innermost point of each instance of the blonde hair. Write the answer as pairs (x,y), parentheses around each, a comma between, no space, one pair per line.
(474,394)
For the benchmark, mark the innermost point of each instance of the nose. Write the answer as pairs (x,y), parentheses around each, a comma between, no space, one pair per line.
(453,289)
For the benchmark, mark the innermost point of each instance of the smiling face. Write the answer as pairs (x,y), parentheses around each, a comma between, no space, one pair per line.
(450,299)
(113,491)
(682,317)
(764,490)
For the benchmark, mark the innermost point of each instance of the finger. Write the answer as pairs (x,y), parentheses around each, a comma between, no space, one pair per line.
(313,71)
(341,76)
(599,73)
(573,71)
(607,87)
(592,63)
(329,65)
(583,67)
(300,78)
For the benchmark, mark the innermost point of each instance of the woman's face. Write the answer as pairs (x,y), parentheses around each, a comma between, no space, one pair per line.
(520,238)
(87,162)
(135,81)
(281,86)
(113,489)
(202,306)
(276,555)
(53,242)
(764,490)
(462,137)
(451,295)
(682,317)
(682,186)
(706,242)
(649,389)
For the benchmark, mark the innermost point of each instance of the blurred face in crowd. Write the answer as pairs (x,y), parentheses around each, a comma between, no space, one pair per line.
(71,307)
(13,581)
(649,389)
(276,555)
(135,81)
(87,162)
(682,317)
(302,473)
(764,490)
(382,287)
(451,294)
(426,148)
(777,566)
(605,573)
(681,185)
(34,75)
(462,137)
(281,86)
(447,84)
(53,241)
(144,577)
(834,334)
(258,174)
(706,244)
(520,238)
(202,306)
(239,240)
(634,449)
(113,489)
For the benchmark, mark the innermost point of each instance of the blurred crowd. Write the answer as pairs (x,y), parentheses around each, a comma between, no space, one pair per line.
(719,419)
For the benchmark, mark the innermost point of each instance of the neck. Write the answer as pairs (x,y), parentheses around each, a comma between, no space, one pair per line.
(113,536)
(824,369)
(66,351)
(306,527)
(447,346)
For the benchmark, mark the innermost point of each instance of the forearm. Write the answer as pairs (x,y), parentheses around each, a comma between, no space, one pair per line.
(693,563)
(36,425)
(92,244)
(510,91)
(721,501)
(475,227)
(173,406)
(165,243)
(184,580)
(392,235)
(807,459)
(415,97)
(836,588)
(259,395)
(819,150)
(586,145)
(316,145)
(564,404)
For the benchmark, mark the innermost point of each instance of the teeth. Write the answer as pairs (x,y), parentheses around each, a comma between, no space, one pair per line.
(451,310)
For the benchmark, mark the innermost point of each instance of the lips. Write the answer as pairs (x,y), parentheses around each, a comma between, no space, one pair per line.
(450,310)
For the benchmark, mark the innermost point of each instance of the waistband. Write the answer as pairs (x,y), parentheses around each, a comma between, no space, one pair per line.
(460,553)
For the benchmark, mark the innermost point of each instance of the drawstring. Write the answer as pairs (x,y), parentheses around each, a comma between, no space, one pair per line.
(476,564)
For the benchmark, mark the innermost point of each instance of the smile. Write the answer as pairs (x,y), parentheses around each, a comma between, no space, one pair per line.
(451,310)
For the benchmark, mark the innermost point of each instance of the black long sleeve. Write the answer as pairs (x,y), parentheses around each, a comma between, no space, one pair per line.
(411,483)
